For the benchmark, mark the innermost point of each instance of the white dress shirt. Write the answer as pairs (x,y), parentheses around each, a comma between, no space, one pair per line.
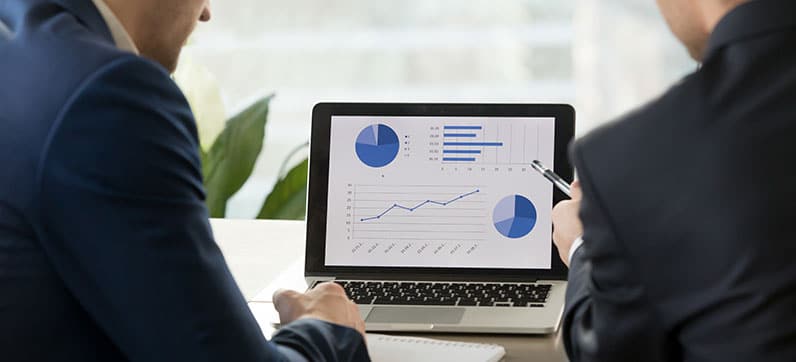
(120,35)
(575,246)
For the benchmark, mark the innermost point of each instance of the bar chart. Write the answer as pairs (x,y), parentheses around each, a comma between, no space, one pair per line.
(486,143)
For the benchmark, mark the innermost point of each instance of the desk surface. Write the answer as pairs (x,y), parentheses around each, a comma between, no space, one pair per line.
(257,251)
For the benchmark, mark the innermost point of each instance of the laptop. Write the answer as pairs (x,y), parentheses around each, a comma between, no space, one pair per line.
(431,217)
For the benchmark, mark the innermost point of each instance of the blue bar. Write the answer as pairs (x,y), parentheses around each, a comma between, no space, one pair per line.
(475,152)
(460,135)
(465,159)
(462,127)
(474,144)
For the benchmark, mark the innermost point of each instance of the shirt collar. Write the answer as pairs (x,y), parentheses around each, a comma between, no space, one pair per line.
(5,32)
(751,19)
(120,35)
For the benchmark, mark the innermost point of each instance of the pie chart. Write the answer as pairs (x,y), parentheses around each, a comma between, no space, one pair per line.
(377,145)
(514,216)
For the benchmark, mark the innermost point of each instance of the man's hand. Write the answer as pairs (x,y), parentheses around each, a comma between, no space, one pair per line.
(566,223)
(327,302)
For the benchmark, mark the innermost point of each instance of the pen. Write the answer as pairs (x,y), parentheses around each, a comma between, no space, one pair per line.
(550,175)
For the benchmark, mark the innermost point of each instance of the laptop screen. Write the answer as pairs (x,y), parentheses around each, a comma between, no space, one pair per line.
(439,192)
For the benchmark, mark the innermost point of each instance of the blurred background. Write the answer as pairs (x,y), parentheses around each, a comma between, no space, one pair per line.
(606,57)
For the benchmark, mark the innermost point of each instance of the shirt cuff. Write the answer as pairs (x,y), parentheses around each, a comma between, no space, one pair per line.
(575,246)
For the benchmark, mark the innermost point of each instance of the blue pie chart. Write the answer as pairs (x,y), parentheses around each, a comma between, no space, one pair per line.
(514,216)
(377,145)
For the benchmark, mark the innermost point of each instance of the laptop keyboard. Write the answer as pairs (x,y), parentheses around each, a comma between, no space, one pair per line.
(447,294)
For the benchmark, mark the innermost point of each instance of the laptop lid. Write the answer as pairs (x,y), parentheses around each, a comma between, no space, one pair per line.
(435,191)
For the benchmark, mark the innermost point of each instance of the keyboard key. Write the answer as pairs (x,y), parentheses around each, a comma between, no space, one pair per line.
(363,300)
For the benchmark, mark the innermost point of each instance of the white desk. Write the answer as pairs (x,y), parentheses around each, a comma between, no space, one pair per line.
(257,251)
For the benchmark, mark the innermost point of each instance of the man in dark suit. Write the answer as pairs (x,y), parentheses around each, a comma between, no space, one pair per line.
(687,204)
(106,253)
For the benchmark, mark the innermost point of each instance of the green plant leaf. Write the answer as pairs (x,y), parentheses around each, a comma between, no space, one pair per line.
(230,161)
(203,157)
(288,199)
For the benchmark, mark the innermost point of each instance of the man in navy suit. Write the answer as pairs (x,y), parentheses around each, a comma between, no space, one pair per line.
(106,253)
(687,204)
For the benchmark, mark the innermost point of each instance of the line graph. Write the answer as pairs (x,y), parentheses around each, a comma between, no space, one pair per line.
(424,203)
(419,212)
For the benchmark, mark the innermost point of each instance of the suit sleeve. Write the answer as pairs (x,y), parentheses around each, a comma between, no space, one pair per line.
(125,226)
(607,316)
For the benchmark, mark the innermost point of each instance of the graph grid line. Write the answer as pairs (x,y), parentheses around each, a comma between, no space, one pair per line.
(424,203)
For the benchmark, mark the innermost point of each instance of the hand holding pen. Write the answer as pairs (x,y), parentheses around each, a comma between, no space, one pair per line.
(567,227)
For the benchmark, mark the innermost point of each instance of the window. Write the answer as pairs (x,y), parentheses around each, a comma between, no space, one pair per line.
(604,56)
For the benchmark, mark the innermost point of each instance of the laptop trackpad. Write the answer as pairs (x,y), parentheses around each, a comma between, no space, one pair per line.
(415,315)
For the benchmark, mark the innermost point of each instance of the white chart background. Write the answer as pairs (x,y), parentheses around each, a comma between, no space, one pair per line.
(459,233)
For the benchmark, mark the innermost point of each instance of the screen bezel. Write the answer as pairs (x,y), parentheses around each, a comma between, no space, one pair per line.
(317,203)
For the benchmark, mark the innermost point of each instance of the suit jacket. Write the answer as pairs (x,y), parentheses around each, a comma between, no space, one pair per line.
(106,253)
(689,253)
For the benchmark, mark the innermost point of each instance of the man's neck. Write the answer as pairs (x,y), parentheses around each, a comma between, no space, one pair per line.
(121,35)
